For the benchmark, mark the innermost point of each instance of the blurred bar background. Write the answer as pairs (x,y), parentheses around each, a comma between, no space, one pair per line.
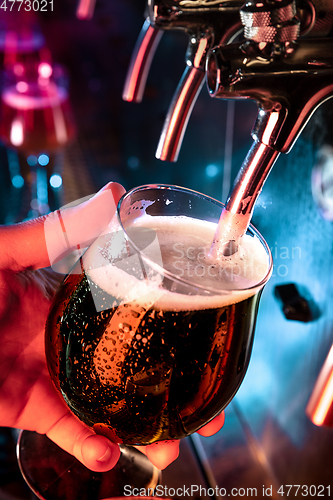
(268,439)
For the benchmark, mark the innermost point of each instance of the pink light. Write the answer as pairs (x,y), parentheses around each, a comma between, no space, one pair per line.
(321,400)
(324,403)
(272,121)
(18,69)
(249,173)
(200,52)
(22,87)
(16,133)
(85,9)
(55,97)
(59,125)
(45,70)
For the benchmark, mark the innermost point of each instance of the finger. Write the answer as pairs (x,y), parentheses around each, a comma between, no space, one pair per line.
(77,227)
(162,453)
(95,452)
(213,426)
(35,243)
(63,428)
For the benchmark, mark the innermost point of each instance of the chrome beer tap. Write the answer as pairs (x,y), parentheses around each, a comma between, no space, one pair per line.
(289,77)
(207,23)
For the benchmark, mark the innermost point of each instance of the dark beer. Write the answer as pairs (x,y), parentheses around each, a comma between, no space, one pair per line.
(151,369)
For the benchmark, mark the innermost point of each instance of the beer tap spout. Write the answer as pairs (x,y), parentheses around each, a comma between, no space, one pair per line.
(179,113)
(141,60)
(248,184)
(250,179)
(289,78)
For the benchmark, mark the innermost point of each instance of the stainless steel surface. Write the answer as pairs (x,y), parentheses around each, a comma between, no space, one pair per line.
(141,60)
(250,178)
(270,22)
(288,82)
(244,194)
(179,113)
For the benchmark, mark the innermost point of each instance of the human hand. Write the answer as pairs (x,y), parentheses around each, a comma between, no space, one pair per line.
(28,399)
(162,453)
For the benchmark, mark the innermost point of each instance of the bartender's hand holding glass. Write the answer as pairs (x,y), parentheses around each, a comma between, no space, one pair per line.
(150,334)
(28,399)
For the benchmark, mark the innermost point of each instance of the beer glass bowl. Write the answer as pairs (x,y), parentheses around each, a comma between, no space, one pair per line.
(149,337)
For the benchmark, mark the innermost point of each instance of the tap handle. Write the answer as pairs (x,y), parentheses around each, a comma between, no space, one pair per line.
(141,59)
(179,113)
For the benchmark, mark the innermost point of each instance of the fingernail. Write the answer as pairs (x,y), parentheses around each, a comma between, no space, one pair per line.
(106,456)
(107,186)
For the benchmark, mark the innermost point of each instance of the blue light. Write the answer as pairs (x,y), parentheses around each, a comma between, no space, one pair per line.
(55,181)
(212,171)
(133,162)
(43,160)
(32,160)
(42,194)
(18,181)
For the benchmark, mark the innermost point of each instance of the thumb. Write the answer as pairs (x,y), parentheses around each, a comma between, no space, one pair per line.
(161,453)
(71,229)
(96,452)
(40,242)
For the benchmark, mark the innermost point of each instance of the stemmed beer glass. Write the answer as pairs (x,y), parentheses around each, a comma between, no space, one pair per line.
(150,335)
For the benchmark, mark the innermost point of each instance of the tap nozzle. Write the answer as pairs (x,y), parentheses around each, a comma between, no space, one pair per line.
(141,60)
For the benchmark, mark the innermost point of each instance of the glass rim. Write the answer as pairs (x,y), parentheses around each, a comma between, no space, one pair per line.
(173,187)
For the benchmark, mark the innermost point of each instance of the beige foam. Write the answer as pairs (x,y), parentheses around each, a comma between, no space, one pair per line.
(184,244)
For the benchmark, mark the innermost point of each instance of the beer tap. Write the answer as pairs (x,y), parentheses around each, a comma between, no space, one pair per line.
(289,78)
(207,24)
